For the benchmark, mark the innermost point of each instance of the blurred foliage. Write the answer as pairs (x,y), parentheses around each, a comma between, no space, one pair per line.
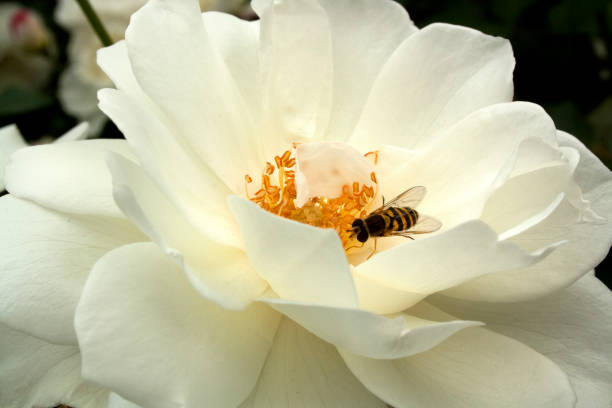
(15,101)
(38,113)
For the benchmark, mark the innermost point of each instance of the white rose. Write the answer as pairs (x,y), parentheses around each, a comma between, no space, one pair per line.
(177,290)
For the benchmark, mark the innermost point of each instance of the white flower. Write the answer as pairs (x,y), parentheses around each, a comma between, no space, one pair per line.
(83,78)
(180,291)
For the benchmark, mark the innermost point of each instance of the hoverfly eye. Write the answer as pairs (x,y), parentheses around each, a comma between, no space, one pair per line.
(362,236)
(355,224)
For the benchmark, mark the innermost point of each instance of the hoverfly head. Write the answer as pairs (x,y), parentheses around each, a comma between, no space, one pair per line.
(359,230)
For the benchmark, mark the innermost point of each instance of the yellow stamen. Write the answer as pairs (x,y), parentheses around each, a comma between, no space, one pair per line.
(337,213)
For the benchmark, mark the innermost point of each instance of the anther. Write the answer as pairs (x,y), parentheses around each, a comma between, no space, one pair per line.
(338,213)
(373,153)
(286,156)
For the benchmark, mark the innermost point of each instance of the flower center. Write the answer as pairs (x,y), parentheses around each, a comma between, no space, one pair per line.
(277,194)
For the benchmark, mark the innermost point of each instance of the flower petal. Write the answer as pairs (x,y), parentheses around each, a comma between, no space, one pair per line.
(136,305)
(299,261)
(303,370)
(237,41)
(69,177)
(362,41)
(323,169)
(187,182)
(523,196)
(10,141)
(543,174)
(174,61)
(590,173)
(458,176)
(367,333)
(79,132)
(588,243)
(115,401)
(435,77)
(37,373)
(178,172)
(296,65)
(115,63)
(447,259)
(221,273)
(377,297)
(45,257)
(474,368)
(572,327)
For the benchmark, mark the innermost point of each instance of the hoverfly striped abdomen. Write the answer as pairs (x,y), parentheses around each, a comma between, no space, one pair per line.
(401,218)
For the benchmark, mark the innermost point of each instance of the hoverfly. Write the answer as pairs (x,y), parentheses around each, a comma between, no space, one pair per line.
(395,218)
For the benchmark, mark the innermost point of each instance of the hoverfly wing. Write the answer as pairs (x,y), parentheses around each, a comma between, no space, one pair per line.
(409,198)
(424,225)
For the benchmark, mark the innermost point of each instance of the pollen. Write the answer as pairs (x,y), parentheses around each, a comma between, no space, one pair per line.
(277,194)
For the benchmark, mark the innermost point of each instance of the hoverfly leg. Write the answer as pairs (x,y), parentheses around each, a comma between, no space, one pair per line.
(355,246)
(373,251)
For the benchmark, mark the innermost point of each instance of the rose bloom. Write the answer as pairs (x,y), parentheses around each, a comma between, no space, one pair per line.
(83,78)
(210,260)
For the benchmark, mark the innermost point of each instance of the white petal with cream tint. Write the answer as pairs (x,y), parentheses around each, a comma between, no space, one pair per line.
(458,176)
(220,273)
(472,369)
(115,401)
(322,169)
(35,373)
(162,152)
(202,352)
(363,39)
(79,132)
(304,371)
(377,297)
(237,42)
(366,333)
(572,327)
(218,129)
(447,259)
(296,67)
(70,177)
(10,141)
(588,243)
(45,265)
(436,77)
(184,180)
(299,261)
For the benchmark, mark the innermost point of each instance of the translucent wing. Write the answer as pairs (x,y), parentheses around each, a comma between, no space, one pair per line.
(409,198)
(424,225)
